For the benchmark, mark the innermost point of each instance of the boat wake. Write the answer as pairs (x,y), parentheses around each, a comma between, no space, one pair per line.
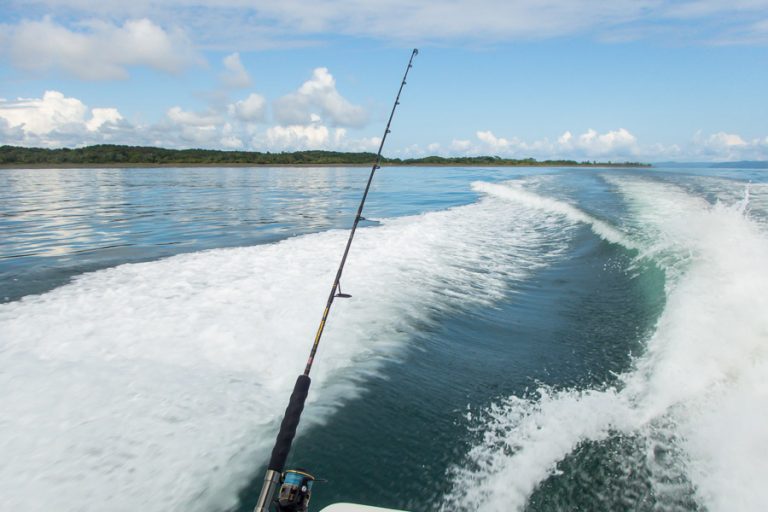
(696,401)
(155,386)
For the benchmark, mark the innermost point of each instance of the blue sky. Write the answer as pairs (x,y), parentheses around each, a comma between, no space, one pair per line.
(643,80)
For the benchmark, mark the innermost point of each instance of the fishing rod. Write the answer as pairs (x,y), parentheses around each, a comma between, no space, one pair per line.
(296,485)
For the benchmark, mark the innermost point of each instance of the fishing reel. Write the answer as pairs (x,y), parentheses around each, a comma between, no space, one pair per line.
(295,491)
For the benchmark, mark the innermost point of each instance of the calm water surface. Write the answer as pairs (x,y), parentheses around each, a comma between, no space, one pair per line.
(58,223)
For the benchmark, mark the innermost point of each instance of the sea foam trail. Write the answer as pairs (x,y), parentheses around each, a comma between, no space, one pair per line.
(708,361)
(701,388)
(514,191)
(157,386)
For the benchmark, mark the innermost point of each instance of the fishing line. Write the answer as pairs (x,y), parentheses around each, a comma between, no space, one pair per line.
(274,475)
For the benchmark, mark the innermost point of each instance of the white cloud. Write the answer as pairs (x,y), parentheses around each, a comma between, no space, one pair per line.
(703,8)
(202,129)
(616,145)
(235,75)
(251,109)
(10,134)
(313,136)
(370,144)
(461,145)
(102,116)
(244,24)
(318,98)
(55,120)
(495,144)
(339,134)
(724,140)
(616,142)
(44,115)
(298,137)
(612,144)
(387,19)
(565,139)
(97,50)
(728,147)
(196,119)
(231,142)
(58,120)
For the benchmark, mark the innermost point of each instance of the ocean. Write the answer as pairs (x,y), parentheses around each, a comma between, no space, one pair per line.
(517,338)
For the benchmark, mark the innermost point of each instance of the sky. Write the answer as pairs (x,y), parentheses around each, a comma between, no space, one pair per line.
(640,80)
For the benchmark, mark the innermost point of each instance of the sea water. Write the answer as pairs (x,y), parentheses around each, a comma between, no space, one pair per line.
(517,339)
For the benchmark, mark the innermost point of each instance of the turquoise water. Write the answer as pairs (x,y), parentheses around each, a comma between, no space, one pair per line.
(517,339)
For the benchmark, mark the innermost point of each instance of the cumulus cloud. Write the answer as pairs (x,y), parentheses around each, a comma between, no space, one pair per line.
(298,136)
(44,115)
(591,143)
(55,119)
(496,144)
(313,136)
(251,109)
(235,75)
(58,120)
(722,140)
(318,97)
(611,144)
(230,138)
(728,146)
(231,142)
(614,143)
(203,129)
(102,116)
(97,50)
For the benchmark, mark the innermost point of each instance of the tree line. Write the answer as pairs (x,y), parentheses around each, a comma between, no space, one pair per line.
(110,154)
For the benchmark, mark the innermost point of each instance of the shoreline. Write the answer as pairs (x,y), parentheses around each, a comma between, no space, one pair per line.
(110,156)
(182,165)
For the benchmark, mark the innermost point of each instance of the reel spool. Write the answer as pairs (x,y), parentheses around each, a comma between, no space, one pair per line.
(295,491)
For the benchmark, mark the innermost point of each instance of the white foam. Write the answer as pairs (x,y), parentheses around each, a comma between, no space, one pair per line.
(522,442)
(707,361)
(157,386)
(703,382)
(514,191)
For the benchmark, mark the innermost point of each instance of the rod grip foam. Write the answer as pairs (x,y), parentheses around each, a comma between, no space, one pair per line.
(289,424)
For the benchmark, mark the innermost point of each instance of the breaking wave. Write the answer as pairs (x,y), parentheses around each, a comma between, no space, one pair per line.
(699,392)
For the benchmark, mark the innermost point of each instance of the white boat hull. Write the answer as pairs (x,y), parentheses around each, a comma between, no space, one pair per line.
(352,507)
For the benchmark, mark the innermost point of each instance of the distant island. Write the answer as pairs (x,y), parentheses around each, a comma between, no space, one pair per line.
(107,155)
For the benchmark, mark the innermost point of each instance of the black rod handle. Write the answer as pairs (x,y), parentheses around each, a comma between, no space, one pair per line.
(290,424)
